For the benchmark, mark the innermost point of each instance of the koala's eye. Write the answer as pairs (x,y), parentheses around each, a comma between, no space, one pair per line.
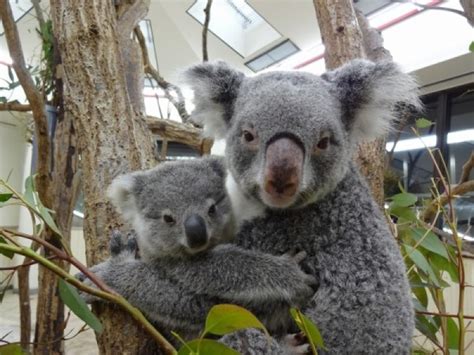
(212,210)
(169,219)
(248,136)
(323,143)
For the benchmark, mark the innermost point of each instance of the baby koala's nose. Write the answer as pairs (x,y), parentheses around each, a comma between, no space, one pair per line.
(196,231)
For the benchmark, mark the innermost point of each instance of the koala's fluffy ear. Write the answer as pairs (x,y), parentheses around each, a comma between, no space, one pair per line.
(216,86)
(369,93)
(121,193)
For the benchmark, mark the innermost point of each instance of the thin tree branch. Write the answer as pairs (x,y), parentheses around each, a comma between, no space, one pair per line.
(205,30)
(456,191)
(39,13)
(466,169)
(34,98)
(111,297)
(450,315)
(15,106)
(441,8)
(168,88)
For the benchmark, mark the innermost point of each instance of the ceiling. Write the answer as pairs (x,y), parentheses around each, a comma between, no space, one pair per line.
(178,36)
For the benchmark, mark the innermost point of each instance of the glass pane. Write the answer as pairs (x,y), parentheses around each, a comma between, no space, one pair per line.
(461,146)
(410,163)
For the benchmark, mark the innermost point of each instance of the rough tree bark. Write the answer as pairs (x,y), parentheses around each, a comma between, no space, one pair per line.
(56,185)
(343,40)
(109,135)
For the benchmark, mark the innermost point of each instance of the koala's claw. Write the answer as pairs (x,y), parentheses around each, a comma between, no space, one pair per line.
(299,257)
(296,344)
(116,243)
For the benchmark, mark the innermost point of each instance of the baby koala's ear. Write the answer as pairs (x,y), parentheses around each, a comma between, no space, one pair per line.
(121,193)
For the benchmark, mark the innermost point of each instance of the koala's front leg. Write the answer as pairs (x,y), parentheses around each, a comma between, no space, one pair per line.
(244,276)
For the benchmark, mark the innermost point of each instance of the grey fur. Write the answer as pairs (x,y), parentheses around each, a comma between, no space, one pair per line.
(176,286)
(363,303)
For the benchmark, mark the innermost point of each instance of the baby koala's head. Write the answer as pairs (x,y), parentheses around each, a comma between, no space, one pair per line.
(178,208)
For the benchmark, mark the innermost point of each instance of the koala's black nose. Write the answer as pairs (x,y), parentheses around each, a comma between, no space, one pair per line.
(196,232)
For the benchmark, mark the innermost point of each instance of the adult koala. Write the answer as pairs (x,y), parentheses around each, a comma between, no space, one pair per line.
(291,137)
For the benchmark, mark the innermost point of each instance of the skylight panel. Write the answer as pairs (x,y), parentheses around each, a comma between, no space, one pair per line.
(237,24)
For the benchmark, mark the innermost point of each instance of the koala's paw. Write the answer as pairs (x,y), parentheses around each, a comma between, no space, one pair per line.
(101,271)
(123,246)
(295,344)
(301,286)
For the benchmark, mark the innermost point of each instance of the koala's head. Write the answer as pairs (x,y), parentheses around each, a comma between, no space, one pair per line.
(290,135)
(177,208)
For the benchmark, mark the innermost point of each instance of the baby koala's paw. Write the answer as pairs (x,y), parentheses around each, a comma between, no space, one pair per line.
(301,286)
(295,344)
(123,247)
(87,297)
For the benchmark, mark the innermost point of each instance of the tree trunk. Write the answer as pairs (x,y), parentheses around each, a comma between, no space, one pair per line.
(109,136)
(343,40)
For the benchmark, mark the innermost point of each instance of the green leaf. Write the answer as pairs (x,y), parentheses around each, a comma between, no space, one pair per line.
(403,213)
(426,327)
(430,241)
(471,46)
(9,254)
(76,304)
(309,329)
(206,347)
(30,190)
(419,292)
(422,264)
(445,265)
(227,318)
(418,305)
(404,199)
(4,197)
(453,334)
(11,349)
(423,123)
(46,216)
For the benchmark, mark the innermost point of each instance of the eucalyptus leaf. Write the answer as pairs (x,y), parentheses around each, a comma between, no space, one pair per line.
(430,241)
(206,347)
(471,46)
(9,254)
(29,194)
(10,73)
(76,304)
(403,213)
(227,318)
(422,264)
(4,197)
(309,329)
(426,327)
(419,292)
(447,265)
(404,199)
(453,334)
(11,349)
(423,123)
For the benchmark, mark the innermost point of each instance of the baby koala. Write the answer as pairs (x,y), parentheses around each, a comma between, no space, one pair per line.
(184,223)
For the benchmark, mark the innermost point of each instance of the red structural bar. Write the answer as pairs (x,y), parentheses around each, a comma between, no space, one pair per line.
(380,28)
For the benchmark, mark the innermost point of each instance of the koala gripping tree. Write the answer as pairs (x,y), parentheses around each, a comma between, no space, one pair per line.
(110,128)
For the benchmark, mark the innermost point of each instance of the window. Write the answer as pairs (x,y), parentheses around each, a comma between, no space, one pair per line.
(147,31)
(273,56)
(452,113)
(19,9)
(370,6)
(237,24)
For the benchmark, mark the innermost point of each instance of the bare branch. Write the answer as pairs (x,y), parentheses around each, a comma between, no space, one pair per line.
(167,87)
(179,132)
(466,169)
(15,106)
(131,16)
(447,9)
(436,203)
(205,30)
(32,94)
(39,13)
